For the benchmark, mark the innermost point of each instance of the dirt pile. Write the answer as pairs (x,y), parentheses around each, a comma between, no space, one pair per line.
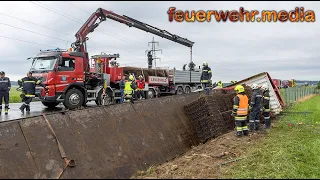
(145,72)
(211,115)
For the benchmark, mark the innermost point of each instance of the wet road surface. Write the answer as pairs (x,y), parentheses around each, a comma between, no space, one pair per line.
(36,108)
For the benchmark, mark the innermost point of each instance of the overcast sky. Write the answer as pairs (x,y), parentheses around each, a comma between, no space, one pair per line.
(234,51)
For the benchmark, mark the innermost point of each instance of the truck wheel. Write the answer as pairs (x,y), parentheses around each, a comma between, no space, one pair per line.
(73,99)
(50,105)
(187,90)
(103,100)
(179,91)
(150,94)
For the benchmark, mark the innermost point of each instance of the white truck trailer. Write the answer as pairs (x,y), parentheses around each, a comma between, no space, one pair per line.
(276,101)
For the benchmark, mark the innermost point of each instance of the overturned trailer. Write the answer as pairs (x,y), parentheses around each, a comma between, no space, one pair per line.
(276,101)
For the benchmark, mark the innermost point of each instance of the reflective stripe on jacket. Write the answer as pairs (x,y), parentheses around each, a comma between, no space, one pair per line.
(206,74)
(5,84)
(240,106)
(29,85)
(266,101)
(128,89)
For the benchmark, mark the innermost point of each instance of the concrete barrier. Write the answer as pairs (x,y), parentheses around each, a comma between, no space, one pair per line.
(106,142)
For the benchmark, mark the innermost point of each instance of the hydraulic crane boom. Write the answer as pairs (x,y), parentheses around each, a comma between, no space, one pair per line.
(90,25)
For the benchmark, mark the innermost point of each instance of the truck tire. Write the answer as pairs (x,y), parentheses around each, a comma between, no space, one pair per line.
(73,99)
(150,94)
(179,91)
(187,90)
(107,100)
(50,105)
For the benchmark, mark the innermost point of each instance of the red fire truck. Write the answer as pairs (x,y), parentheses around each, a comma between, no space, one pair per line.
(67,74)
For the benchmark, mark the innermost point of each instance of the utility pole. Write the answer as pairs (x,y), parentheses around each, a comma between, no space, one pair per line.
(152,53)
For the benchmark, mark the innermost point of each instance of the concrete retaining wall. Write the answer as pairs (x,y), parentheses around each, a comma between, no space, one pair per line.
(106,142)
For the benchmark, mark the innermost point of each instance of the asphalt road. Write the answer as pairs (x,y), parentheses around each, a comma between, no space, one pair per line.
(36,108)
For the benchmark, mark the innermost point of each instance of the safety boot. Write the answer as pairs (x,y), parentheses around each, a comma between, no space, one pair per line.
(257,125)
(22,108)
(267,123)
(251,126)
(6,111)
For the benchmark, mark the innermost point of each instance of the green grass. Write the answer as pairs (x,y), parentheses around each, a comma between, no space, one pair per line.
(287,151)
(14,95)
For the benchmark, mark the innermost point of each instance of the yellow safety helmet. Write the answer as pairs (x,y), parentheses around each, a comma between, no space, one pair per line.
(239,89)
(131,77)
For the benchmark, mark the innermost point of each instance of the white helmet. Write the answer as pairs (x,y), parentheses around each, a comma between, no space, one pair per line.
(204,63)
(265,87)
(254,86)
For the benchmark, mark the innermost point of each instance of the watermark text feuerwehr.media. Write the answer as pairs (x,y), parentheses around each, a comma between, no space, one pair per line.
(242,15)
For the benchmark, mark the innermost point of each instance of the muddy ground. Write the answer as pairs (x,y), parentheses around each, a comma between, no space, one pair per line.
(206,160)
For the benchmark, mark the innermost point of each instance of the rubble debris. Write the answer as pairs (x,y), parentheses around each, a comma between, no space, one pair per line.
(209,115)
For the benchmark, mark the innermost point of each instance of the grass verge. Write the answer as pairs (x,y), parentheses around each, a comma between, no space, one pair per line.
(291,149)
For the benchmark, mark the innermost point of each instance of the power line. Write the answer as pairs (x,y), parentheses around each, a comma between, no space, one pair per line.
(54,11)
(79,21)
(91,13)
(34,32)
(54,30)
(26,41)
(136,58)
(36,24)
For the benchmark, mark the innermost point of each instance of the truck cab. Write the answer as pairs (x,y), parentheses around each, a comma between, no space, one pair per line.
(63,73)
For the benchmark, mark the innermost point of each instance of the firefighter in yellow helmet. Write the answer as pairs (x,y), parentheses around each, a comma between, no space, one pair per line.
(129,88)
(240,111)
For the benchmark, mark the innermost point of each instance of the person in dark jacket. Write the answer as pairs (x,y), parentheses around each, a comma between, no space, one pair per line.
(255,108)
(5,86)
(266,106)
(121,86)
(28,85)
(206,76)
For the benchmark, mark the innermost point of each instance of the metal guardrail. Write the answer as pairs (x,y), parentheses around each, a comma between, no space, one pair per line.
(292,94)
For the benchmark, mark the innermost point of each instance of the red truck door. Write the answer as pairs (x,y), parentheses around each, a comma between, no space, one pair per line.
(70,70)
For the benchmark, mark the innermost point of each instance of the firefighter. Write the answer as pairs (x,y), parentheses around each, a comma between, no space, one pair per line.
(255,108)
(206,76)
(266,106)
(129,89)
(28,85)
(220,85)
(240,111)
(140,86)
(5,86)
(121,86)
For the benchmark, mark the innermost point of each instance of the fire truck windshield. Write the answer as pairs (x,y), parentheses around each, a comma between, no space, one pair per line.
(43,63)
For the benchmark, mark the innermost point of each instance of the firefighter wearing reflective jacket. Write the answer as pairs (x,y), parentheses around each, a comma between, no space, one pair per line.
(220,85)
(28,85)
(206,76)
(266,106)
(129,89)
(5,86)
(255,108)
(240,111)
(140,85)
